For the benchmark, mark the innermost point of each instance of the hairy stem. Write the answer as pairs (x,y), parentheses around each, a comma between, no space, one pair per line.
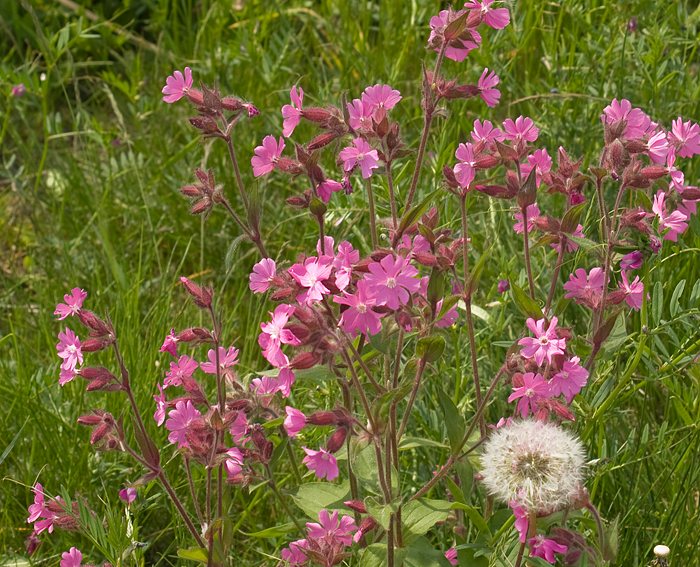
(526,248)
(372,215)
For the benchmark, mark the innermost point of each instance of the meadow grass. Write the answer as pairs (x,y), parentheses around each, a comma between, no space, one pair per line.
(91,164)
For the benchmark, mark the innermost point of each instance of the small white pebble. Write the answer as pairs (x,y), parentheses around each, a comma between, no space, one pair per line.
(661,551)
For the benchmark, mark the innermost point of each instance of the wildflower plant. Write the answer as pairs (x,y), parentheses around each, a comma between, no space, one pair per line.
(371,317)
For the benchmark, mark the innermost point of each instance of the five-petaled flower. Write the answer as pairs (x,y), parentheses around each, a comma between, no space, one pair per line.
(262,275)
(311,275)
(177,85)
(292,112)
(392,280)
(179,421)
(487,88)
(71,558)
(322,463)
(522,130)
(274,335)
(267,155)
(534,388)
(497,18)
(182,369)
(545,343)
(361,155)
(569,380)
(73,303)
(227,359)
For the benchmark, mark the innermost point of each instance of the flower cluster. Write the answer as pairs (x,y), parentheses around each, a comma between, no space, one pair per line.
(325,542)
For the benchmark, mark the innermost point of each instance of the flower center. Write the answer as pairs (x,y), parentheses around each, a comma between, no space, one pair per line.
(391,283)
(361,308)
(529,392)
(544,341)
(532,466)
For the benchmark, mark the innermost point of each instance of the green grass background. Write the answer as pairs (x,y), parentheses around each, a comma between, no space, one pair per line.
(91,164)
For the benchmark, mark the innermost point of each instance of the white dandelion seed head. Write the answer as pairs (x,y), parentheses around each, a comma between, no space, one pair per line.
(539,465)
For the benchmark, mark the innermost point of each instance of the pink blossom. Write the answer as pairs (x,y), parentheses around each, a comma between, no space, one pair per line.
(637,121)
(66,375)
(448,319)
(73,303)
(685,136)
(458,49)
(18,90)
(71,558)
(451,556)
(540,161)
(39,514)
(128,494)
(265,387)
(657,147)
(343,262)
(233,463)
(161,406)
(360,154)
(177,85)
(359,317)
(262,275)
(294,554)
(487,91)
(634,292)
(68,348)
(292,112)
(534,388)
(294,422)
(285,380)
(379,99)
(675,222)
(179,420)
(677,176)
(503,286)
(632,261)
(533,211)
(521,522)
(585,288)
(274,335)
(497,18)
(522,130)
(545,344)
(322,463)
(487,132)
(326,188)
(331,527)
(571,245)
(545,548)
(267,156)
(688,207)
(180,371)
(465,170)
(359,115)
(239,428)
(392,280)
(310,275)
(227,359)
(170,343)
(570,380)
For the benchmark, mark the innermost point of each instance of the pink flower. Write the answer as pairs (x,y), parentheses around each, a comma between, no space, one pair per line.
(73,303)
(497,18)
(448,319)
(332,528)
(128,494)
(675,222)
(359,317)
(534,388)
(632,261)
(181,370)
(18,90)
(634,292)
(503,286)
(359,115)
(343,262)
(545,344)
(688,207)
(267,156)
(72,558)
(585,288)
(677,176)
(227,359)
(170,343)
(294,422)
(685,136)
(486,132)
(262,275)
(521,523)
(571,245)
(326,188)
(657,147)
(294,554)
(322,463)
(66,375)
(161,406)
(451,556)
(487,91)
(458,49)
(233,463)
(533,211)
(465,170)
(179,420)
(545,548)
(361,155)
(177,85)
(239,428)
(311,275)
(570,380)
(292,112)
(265,387)
(68,348)
(379,99)
(274,335)
(392,280)
(39,510)
(522,130)
(540,161)
(637,121)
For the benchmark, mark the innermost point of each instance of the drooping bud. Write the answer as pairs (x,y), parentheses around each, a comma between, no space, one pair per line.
(201,296)
(337,440)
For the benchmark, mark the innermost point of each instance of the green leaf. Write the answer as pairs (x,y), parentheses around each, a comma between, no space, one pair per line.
(382,404)
(454,422)
(418,554)
(415,442)
(364,463)
(675,305)
(379,511)
(315,496)
(430,348)
(657,303)
(412,216)
(275,531)
(528,306)
(475,518)
(571,218)
(197,554)
(418,516)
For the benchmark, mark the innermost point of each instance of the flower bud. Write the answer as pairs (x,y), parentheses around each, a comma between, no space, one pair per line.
(201,296)
(654,171)
(95,345)
(195,335)
(231,103)
(316,114)
(305,360)
(205,124)
(94,323)
(321,140)
(323,418)
(356,505)
(337,439)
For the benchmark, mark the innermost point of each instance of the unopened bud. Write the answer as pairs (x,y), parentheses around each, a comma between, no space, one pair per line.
(195,335)
(95,345)
(231,103)
(322,140)
(356,505)
(337,439)
(93,322)
(201,296)
(305,360)
(322,418)
(316,114)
